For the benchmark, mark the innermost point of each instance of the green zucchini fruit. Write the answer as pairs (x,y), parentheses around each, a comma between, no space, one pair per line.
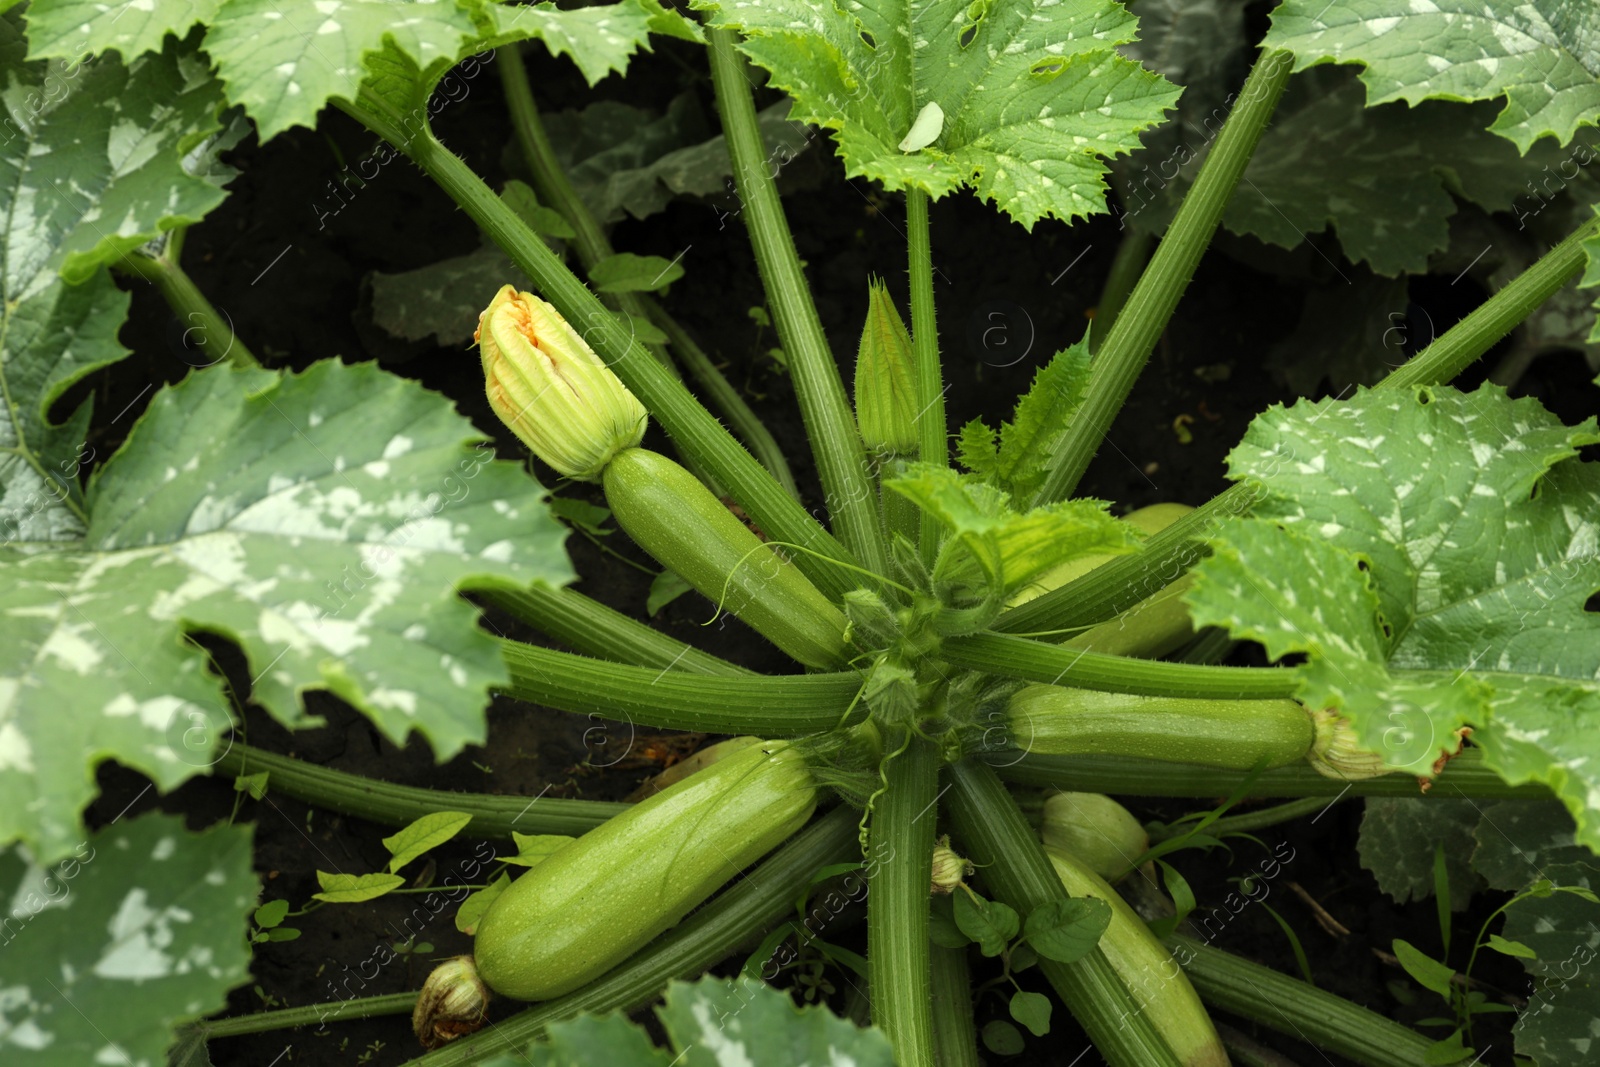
(672,516)
(1158,984)
(601,898)
(1232,734)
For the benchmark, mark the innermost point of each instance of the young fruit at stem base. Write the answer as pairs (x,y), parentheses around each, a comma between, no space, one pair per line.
(600,899)
(453,1003)
(1095,830)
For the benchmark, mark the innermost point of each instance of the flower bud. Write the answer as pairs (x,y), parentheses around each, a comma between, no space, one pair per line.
(1337,751)
(548,386)
(886,389)
(1094,830)
(453,1002)
(949,868)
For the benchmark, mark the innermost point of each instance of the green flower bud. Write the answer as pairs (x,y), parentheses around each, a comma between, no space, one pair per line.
(949,868)
(453,1002)
(1337,752)
(548,386)
(1094,830)
(886,388)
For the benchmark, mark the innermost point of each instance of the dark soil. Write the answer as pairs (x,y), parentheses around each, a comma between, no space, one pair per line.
(290,272)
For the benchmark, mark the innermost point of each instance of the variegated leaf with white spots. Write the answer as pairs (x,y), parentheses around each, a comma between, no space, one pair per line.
(1034,94)
(1431,552)
(321,520)
(1541,56)
(140,929)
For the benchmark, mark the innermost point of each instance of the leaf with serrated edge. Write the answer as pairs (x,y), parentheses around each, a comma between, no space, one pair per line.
(320,520)
(717,1022)
(140,930)
(599,39)
(428,832)
(1033,98)
(1539,56)
(1431,551)
(1398,839)
(1518,839)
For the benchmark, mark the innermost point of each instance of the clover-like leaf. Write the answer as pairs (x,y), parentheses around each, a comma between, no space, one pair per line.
(1431,551)
(1538,55)
(141,929)
(1033,93)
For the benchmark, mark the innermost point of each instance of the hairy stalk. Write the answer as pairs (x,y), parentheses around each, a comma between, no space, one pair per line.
(1133,252)
(694,429)
(932,433)
(203,324)
(1140,324)
(1290,1006)
(1018,657)
(594,629)
(592,245)
(1125,580)
(734,918)
(332,1011)
(955,1038)
(397,805)
(765,705)
(996,837)
(900,859)
(1249,821)
(830,423)
(1465,776)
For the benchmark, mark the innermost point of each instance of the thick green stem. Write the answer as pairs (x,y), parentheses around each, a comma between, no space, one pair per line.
(1123,582)
(1133,252)
(830,423)
(320,1015)
(996,837)
(1139,326)
(596,630)
(1018,657)
(397,805)
(695,430)
(592,245)
(203,324)
(736,917)
(765,705)
(900,865)
(955,1038)
(1465,776)
(932,434)
(1290,1006)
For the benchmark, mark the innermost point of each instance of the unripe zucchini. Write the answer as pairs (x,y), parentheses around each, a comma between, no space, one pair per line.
(600,899)
(676,519)
(1158,984)
(1232,734)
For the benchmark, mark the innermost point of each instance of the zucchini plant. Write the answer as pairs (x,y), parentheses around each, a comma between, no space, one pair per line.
(1394,600)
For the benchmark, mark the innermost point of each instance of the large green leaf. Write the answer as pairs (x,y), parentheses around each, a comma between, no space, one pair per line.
(1398,839)
(1431,551)
(99,158)
(1539,55)
(1032,93)
(140,929)
(321,520)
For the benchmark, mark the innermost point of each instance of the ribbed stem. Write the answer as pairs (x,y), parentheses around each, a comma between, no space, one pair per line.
(932,434)
(333,1011)
(592,245)
(203,324)
(397,805)
(1133,252)
(765,705)
(1250,821)
(996,837)
(1018,657)
(830,423)
(695,430)
(594,629)
(1290,1006)
(734,918)
(900,864)
(1465,776)
(1140,324)
(955,1038)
